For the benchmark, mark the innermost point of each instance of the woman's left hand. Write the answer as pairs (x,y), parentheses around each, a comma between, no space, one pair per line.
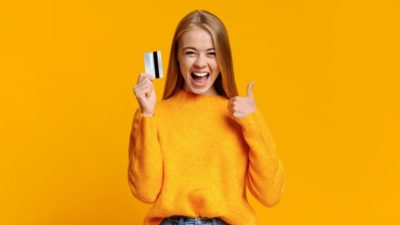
(240,107)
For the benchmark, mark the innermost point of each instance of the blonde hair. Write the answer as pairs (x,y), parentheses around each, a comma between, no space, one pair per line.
(225,83)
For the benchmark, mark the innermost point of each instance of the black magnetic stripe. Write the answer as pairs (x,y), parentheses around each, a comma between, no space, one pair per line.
(156,64)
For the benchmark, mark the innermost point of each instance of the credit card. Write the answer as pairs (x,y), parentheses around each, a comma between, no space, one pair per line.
(153,64)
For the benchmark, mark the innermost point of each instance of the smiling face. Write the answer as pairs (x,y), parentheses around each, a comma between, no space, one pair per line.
(198,62)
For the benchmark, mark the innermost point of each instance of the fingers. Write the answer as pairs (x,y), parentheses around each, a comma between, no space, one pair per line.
(143,91)
(143,88)
(233,104)
(234,109)
(238,115)
(234,100)
(144,80)
(144,83)
(240,106)
(144,76)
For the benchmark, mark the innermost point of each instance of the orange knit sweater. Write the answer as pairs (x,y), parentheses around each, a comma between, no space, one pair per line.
(192,158)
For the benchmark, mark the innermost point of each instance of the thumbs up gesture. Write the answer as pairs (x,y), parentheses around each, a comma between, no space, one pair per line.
(240,107)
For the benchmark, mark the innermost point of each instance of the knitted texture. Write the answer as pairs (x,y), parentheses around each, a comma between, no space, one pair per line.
(192,158)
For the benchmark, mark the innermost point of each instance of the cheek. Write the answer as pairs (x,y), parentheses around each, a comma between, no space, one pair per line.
(185,65)
(214,66)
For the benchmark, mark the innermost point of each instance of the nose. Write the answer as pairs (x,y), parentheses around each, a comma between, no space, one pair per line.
(200,61)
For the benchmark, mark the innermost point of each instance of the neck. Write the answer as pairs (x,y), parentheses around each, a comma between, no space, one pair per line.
(210,92)
(190,95)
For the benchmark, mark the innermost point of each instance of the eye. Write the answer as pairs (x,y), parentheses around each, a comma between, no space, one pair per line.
(190,53)
(211,53)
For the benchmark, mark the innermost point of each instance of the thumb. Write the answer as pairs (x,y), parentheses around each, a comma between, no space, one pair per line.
(150,77)
(250,89)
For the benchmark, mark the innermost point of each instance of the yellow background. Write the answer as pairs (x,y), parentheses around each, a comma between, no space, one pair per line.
(326,78)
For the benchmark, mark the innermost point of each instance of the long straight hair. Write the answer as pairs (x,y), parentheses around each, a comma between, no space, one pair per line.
(225,84)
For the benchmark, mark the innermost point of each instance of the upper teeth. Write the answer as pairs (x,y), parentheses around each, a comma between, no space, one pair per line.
(200,74)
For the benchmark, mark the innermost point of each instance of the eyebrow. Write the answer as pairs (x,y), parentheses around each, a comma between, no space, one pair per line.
(196,49)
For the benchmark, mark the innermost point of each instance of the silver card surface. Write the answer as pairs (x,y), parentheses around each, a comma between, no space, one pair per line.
(153,64)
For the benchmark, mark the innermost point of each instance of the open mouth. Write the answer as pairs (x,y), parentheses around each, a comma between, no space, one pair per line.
(200,79)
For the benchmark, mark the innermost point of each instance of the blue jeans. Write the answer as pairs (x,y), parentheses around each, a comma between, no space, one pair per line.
(182,220)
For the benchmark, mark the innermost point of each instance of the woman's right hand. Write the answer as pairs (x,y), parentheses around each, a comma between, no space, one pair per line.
(145,94)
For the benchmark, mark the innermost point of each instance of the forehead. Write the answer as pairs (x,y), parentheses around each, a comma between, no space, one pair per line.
(196,38)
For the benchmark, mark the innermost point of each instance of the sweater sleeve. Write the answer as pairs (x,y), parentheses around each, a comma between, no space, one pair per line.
(265,176)
(145,170)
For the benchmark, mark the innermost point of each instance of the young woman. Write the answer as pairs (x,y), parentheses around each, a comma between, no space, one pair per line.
(193,153)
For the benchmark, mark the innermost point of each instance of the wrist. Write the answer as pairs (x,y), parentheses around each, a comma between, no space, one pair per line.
(147,113)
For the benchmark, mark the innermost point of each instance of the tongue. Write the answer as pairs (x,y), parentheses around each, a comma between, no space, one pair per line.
(200,79)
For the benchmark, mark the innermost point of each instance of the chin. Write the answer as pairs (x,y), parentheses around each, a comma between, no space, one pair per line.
(199,91)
